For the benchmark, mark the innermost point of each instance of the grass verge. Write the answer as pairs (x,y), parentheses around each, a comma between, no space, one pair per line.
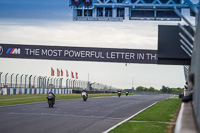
(22,99)
(140,127)
(164,111)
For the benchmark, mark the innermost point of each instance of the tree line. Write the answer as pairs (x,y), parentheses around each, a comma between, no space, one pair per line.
(164,89)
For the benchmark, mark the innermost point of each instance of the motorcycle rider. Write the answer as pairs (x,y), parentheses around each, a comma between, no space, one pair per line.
(127,93)
(51,93)
(84,91)
(119,93)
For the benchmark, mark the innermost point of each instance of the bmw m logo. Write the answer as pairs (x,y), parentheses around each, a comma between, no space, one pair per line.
(13,51)
(1,50)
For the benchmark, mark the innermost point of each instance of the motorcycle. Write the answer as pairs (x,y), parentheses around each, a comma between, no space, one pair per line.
(126,93)
(84,96)
(119,94)
(50,99)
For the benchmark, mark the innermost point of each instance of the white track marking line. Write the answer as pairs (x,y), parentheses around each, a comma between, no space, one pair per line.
(108,130)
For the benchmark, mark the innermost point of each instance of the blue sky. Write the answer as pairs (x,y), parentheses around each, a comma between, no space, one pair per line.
(34,9)
(49,22)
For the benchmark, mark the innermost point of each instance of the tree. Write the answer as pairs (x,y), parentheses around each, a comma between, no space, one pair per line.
(140,88)
(151,89)
(164,89)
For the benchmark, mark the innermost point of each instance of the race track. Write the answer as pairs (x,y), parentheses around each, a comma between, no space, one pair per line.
(73,116)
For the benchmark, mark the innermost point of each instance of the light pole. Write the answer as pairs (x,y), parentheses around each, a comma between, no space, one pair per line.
(48,80)
(11,80)
(57,82)
(34,81)
(54,83)
(0,79)
(73,84)
(51,84)
(21,80)
(38,81)
(25,80)
(16,80)
(76,84)
(45,82)
(67,83)
(30,81)
(42,82)
(61,82)
(80,84)
(6,79)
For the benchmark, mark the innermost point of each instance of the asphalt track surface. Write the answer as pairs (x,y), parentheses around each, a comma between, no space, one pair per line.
(73,116)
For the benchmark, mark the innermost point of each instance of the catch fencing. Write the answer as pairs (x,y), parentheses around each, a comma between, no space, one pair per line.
(37,82)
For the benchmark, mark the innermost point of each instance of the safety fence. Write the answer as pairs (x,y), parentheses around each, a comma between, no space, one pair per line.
(37,82)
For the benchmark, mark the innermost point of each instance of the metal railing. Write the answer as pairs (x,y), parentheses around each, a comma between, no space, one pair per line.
(12,80)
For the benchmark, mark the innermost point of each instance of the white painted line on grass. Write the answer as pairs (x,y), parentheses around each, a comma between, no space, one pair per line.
(127,119)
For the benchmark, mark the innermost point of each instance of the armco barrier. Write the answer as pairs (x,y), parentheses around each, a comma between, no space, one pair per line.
(16,91)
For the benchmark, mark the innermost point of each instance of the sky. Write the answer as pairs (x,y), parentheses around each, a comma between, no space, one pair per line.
(49,22)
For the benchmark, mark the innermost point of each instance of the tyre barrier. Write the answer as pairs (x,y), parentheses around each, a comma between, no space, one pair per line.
(16,91)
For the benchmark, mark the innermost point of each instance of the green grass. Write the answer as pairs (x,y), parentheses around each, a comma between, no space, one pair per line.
(162,111)
(140,127)
(22,99)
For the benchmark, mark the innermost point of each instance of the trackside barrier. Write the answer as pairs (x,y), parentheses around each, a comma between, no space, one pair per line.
(186,122)
(17,91)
